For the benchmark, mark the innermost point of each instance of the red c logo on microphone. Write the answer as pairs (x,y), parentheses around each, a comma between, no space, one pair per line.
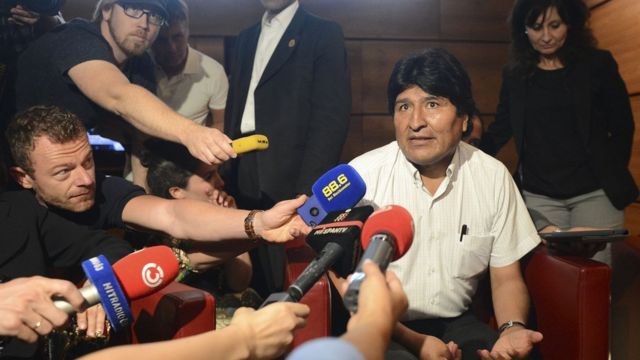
(152,275)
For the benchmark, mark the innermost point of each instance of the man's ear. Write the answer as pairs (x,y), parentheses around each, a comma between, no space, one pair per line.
(177,192)
(106,12)
(465,123)
(21,177)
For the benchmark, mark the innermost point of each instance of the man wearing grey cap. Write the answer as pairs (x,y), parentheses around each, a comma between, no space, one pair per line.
(100,71)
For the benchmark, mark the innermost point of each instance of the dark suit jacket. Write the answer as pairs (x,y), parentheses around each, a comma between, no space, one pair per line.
(605,121)
(302,103)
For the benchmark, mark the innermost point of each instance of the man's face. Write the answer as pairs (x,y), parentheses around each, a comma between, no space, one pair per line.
(132,36)
(427,128)
(63,174)
(275,6)
(170,48)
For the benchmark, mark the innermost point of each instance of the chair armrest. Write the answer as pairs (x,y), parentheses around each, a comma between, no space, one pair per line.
(176,311)
(570,296)
(318,298)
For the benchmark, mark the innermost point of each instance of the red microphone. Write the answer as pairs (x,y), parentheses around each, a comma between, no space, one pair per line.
(386,237)
(136,275)
(146,271)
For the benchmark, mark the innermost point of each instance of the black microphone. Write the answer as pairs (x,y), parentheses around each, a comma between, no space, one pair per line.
(337,237)
(387,236)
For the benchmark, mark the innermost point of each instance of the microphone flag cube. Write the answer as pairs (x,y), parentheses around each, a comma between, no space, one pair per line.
(338,189)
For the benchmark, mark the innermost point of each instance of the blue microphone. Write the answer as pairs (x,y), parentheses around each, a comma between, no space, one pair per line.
(338,189)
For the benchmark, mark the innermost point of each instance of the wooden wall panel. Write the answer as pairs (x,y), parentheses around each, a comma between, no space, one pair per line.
(593,3)
(381,19)
(475,19)
(371,19)
(617,29)
(632,221)
(482,61)
(634,164)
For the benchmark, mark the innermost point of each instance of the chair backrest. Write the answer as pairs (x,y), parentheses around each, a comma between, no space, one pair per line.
(174,312)
(571,297)
(569,304)
(318,298)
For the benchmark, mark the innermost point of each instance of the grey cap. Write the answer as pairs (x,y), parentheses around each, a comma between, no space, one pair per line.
(160,5)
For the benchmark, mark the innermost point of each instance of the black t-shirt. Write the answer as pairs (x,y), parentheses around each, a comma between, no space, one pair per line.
(554,160)
(112,194)
(42,74)
(35,240)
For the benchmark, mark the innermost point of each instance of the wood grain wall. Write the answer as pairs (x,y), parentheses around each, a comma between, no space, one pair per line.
(378,33)
(616,26)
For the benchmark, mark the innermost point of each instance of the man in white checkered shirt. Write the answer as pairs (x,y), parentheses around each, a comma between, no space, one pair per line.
(468,215)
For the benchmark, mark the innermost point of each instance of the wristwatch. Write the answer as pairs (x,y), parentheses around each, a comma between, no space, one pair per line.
(509,324)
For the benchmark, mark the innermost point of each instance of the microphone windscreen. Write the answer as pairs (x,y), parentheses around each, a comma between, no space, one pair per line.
(342,228)
(250,143)
(339,188)
(392,220)
(146,271)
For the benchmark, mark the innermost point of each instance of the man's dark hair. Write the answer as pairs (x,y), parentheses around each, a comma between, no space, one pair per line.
(169,164)
(178,12)
(438,73)
(574,13)
(60,126)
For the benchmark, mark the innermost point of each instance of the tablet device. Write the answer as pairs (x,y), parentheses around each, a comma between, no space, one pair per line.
(587,236)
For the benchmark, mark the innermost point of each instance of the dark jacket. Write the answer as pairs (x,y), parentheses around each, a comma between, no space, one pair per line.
(302,103)
(605,121)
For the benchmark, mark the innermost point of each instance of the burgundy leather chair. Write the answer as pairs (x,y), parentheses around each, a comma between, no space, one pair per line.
(176,311)
(570,305)
(180,310)
(318,298)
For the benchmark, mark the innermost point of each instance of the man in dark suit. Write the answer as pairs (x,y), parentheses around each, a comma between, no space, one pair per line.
(289,81)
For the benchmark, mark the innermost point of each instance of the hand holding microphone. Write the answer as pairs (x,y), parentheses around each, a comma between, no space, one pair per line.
(386,236)
(26,309)
(338,189)
(134,276)
(335,241)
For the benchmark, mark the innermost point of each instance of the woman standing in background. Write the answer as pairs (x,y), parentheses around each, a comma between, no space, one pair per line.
(567,107)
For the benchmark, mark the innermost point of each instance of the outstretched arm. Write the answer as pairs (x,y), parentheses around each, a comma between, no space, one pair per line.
(106,85)
(201,221)
(261,334)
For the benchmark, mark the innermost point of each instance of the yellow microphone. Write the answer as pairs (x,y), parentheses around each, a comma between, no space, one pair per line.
(250,143)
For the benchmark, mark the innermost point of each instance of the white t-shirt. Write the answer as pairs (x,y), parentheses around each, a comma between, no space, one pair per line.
(439,272)
(201,87)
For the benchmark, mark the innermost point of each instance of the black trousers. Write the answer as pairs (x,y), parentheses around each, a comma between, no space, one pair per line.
(268,260)
(466,330)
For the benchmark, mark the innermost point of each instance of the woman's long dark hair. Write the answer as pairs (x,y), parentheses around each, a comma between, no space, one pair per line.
(574,13)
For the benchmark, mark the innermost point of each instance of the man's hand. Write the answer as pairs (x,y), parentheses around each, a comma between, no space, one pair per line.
(208,144)
(22,16)
(514,343)
(92,321)
(281,223)
(26,308)
(435,349)
(221,198)
(269,331)
(381,300)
